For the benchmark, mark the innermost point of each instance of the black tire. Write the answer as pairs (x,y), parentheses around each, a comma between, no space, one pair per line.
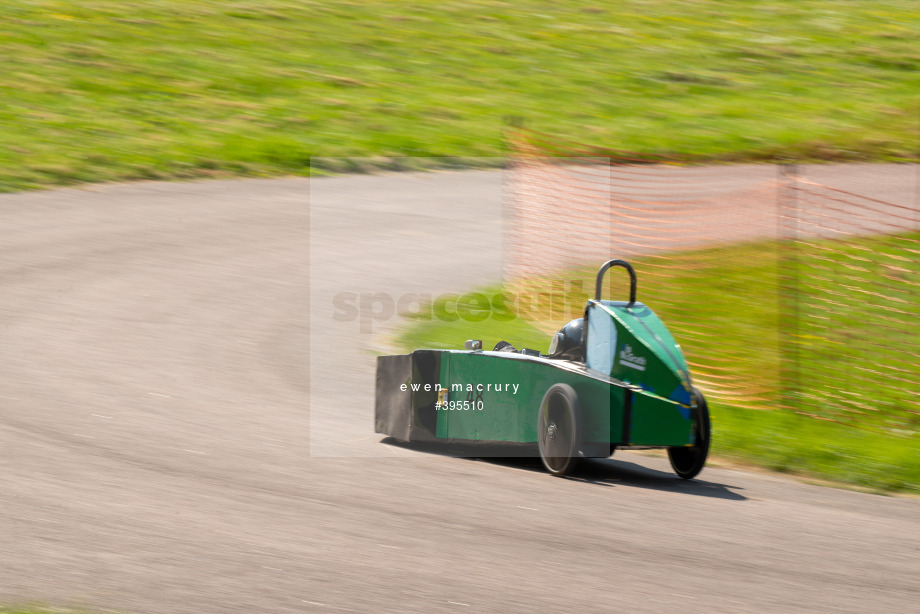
(688,461)
(559,429)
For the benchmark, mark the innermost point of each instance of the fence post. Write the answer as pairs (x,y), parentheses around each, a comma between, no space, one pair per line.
(788,313)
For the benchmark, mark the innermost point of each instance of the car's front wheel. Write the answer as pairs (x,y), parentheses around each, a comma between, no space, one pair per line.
(559,429)
(688,461)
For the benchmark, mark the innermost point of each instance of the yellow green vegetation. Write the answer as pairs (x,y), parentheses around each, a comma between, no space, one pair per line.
(105,89)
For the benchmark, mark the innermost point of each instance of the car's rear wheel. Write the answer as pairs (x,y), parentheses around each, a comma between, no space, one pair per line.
(688,461)
(559,429)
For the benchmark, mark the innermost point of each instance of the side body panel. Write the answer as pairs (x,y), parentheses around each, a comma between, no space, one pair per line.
(510,389)
(659,422)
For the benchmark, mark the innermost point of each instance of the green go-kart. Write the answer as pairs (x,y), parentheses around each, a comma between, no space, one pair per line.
(615,379)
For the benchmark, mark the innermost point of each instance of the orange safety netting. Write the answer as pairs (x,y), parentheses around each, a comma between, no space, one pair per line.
(784,292)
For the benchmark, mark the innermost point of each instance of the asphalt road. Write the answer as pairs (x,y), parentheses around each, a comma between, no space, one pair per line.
(185,426)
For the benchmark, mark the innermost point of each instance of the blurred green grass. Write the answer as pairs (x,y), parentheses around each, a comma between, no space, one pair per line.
(437,333)
(109,90)
(727,306)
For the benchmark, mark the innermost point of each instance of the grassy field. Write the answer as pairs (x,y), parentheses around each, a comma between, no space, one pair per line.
(737,335)
(103,89)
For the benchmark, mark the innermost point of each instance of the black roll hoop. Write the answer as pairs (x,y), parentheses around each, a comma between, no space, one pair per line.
(632,280)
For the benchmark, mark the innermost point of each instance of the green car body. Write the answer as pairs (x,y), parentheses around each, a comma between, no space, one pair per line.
(631,387)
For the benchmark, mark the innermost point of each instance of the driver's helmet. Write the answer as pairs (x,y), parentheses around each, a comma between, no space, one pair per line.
(567,342)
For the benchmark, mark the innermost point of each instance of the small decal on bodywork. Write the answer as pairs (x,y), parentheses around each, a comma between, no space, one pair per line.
(629,359)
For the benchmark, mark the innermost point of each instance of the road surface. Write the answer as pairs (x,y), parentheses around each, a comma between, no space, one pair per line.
(163,347)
